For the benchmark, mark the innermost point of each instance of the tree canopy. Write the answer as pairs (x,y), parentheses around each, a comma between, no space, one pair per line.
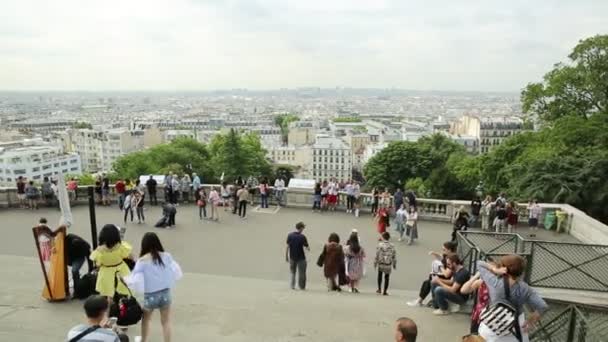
(565,161)
(233,154)
(579,87)
(283,122)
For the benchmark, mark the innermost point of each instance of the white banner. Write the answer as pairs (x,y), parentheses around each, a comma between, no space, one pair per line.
(64,201)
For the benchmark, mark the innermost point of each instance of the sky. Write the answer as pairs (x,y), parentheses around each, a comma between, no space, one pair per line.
(177,45)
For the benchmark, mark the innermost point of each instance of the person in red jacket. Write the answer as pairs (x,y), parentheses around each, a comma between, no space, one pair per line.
(120,188)
(512,217)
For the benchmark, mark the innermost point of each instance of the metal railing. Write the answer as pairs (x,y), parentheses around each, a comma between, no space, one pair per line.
(568,266)
(573,266)
(572,323)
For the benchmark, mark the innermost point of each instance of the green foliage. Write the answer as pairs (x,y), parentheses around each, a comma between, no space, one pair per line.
(181,155)
(234,154)
(406,160)
(83,179)
(81,125)
(418,186)
(284,171)
(347,119)
(283,122)
(577,88)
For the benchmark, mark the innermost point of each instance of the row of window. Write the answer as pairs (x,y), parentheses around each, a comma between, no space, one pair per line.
(330,160)
(37,177)
(329,167)
(330,152)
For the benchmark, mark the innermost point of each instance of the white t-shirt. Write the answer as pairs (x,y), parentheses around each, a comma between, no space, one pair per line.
(279,185)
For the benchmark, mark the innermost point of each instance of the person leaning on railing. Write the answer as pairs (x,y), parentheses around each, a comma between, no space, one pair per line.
(521,293)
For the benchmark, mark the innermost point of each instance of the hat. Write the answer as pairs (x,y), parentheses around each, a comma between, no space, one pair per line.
(300,225)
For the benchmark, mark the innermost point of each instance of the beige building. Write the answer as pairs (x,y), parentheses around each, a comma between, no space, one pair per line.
(301,133)
(332,158)
(298,157)
(357,143)
(99,150)
(490,132)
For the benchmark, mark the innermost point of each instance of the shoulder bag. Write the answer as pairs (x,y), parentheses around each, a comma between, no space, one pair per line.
(125,308)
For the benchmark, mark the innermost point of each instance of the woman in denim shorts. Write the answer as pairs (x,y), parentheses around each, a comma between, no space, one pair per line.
(159,272)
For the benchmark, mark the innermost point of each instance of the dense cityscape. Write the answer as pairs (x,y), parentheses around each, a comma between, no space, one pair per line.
(75,133)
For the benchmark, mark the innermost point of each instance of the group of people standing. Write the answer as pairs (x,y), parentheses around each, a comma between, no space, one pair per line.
(342,264)
(326,196)
(498,215)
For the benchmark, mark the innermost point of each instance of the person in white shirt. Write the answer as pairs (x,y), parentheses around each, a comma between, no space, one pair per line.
(350,196)
(400,218)
(279,190)
(411,225)
(332,195)
(158,272)
(534,214)
(356,195)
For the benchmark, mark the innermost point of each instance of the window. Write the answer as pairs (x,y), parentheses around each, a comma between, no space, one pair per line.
(64,171)
(36,169)
(19,172)
(64,163)
(36,177)
(9,179)
(74,169)
(73,161)
(46,167)
(56,165)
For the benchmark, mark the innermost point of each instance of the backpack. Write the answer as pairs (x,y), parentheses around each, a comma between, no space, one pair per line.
(503,317)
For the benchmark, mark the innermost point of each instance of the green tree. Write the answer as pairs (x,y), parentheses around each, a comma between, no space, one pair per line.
(283,171)
(576,88)
(80,125)
(181,155)
(234,154)
(283,122)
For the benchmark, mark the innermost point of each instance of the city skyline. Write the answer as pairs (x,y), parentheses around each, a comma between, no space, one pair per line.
(195,46)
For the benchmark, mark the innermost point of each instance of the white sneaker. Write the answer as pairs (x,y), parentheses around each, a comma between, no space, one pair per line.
(400,239)
(414,303)
(440,312)
(454,308)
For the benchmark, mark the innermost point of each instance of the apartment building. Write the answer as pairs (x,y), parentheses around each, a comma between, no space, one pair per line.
(332,158)
(490,131)
(35,159)
(100,149)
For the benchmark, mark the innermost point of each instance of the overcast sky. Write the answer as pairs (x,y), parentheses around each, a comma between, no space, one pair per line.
(265,44)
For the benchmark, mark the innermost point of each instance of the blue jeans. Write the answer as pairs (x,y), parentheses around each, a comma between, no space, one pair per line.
(157,300)
(442,297)
(264,198)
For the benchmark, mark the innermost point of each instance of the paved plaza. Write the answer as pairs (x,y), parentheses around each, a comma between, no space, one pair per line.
(235,286)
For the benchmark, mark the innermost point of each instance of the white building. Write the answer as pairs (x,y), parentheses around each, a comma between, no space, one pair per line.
(100,149)
(490,131)
(35,159)
(371,150)
(332,158)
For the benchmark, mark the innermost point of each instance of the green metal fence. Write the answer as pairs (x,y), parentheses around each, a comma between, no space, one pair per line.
(572,323)
(563,265)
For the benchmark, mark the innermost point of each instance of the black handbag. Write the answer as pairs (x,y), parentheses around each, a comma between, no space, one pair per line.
(125,308)
(321,259)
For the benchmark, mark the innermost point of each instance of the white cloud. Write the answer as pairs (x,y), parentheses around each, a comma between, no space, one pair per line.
(181,44)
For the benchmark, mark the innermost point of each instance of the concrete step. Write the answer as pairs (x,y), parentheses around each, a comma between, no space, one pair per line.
(221,308)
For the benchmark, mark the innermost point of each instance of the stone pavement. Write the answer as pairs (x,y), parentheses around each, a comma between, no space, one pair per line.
(235,287)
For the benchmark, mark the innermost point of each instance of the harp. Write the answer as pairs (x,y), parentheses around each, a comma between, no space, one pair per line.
(50,246)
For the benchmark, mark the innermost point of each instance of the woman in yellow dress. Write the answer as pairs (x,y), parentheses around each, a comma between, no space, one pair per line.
(109,258)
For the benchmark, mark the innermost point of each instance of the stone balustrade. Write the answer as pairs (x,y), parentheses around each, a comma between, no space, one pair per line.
(578,224)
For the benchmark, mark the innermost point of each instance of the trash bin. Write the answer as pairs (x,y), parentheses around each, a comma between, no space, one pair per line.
(561,220)
(550,220)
